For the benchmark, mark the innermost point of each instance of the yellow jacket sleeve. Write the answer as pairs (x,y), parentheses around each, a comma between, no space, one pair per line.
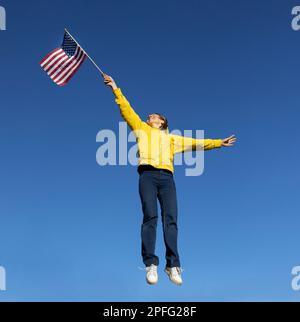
(184,143)
(127,112)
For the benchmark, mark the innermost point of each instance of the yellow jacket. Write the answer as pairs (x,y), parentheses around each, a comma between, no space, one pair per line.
(157,147)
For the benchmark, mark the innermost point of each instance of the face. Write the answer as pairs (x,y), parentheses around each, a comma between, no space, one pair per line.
(154,120)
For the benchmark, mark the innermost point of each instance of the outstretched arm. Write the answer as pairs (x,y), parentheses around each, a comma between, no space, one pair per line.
(184,143)
(127,112)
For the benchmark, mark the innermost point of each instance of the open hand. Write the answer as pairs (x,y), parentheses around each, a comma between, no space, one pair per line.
(229,141)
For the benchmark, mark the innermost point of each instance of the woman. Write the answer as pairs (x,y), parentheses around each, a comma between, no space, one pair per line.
(156,148)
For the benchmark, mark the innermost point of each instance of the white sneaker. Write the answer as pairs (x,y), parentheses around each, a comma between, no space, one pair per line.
(174,274)
(152,276)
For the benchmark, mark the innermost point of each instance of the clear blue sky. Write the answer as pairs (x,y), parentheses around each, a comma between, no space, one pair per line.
(70,229)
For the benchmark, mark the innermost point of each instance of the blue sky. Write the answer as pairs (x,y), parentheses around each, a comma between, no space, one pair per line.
(70,229)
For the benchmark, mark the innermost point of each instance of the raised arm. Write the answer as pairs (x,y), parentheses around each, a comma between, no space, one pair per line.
(127,112)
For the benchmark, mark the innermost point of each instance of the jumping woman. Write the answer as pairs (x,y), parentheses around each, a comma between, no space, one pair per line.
(156,149)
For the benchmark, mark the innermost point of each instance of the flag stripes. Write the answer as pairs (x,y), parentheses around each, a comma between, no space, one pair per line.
(62,63)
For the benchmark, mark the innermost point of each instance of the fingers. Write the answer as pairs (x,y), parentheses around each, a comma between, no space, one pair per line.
(231,137)
(107,77)
(229,141)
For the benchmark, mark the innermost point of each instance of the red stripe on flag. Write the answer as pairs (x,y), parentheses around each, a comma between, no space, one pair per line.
(73,73)
(52,61)
(47,56)
(64,59)
(66,68)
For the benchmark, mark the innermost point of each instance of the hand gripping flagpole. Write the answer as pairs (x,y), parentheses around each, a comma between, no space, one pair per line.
(85,53)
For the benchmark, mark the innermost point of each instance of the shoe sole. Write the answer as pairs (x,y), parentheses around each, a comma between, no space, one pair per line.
(169,275)
(151,283)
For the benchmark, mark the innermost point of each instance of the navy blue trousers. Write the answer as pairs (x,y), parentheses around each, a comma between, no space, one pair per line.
(158,185)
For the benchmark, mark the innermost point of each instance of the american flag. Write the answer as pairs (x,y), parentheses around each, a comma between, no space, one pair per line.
(63,62)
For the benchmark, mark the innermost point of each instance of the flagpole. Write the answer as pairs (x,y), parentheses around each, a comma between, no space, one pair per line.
(86,53)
